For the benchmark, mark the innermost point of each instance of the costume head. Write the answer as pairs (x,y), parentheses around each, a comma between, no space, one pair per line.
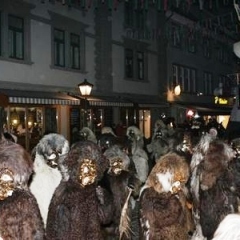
(170,174)
(134,133)
(51,147)
(135,138)
(87,134)
(105,130)
(106,140)
(85,163)
(118,160)
(160,130)
(16,168)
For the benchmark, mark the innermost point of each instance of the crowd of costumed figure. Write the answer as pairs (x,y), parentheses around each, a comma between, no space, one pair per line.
(181,183)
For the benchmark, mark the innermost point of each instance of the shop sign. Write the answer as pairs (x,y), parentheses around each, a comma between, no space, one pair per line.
(221,101)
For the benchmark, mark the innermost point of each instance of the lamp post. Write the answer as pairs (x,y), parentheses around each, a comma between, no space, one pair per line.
(85,89)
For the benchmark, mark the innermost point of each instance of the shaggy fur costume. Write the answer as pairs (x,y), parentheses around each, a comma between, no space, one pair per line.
(234,167)
(120,177)
(216,195)
(228,228)
(20,217)
(48,153)
(199,152)
(159,143)
(105,130)
(138,154)
(87,134)
(164,206)
(106,140)
(77,211)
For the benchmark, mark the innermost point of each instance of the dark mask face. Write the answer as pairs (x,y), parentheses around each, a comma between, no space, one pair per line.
(116,166)
(106,142)
(87,172)
(83,135)
(52,160)
(131,134)
(186,145)
(158,134)
(6,183)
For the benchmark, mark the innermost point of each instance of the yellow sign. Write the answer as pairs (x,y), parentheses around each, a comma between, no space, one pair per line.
(222,101)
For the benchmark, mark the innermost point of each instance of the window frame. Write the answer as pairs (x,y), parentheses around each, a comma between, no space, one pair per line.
(208,83)
(73,48)
(21,10)
(129,63)
(176,38)
(184,76)
(13,42)
(138,65)
(134,15)
(69,26)
(58,50)
(192,42)
(207,53)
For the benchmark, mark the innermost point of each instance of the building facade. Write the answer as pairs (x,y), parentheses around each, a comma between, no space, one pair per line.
(133,52)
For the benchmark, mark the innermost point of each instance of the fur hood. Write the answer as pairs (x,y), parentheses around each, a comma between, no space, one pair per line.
(170,173)
(16,163)
(115,152)
(85,150)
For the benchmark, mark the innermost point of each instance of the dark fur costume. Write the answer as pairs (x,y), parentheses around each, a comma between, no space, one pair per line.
(87,134)
(163,212)
(217,197)
(167,139)
(199,151)
(77,211)
(234,167)
(19,213)
(106,140)
(164,202)
(159,143)
(119,184)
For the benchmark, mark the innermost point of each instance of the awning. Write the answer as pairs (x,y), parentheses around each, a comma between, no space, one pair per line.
(53,98)
(34,97)
(208,109)
(104,101)
(26,100)
(110,104)
(66,98)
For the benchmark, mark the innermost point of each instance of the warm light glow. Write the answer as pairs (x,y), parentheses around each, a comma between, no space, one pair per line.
(190,113)
(14,121)
(177,90)
(85,88)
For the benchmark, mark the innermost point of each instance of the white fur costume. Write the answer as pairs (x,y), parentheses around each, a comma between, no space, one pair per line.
(49,150)
(228,229)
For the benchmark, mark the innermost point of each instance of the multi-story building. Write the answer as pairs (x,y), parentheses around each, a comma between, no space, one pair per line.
(133,52)
(200,57)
